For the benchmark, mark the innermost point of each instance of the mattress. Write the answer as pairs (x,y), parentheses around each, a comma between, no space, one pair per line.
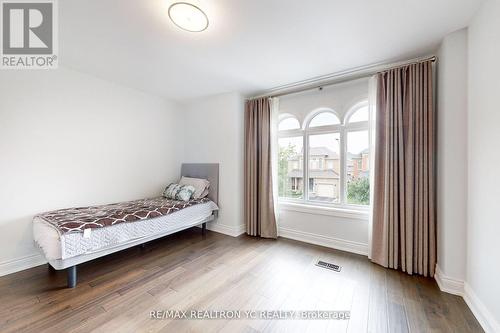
(57,246)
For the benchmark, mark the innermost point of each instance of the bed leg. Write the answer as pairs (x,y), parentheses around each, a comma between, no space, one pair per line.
(71,276)
(204,228)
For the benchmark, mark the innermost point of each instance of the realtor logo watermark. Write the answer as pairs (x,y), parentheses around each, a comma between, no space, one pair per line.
(29,34)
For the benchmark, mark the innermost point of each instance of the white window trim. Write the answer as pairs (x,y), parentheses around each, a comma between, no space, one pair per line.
(285,116)
(341,208)
(359,213)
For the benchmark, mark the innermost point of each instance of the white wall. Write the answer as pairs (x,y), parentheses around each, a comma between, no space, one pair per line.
(339,97)
(483,227)
(329,229)
(68,139)
(452,155)
(213,133)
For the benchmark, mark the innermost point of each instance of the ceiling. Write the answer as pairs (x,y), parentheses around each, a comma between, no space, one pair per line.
(250,45)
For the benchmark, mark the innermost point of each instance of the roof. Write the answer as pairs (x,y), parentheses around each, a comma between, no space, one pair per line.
(319,151)
(323,151)
(358,155)
(328,173)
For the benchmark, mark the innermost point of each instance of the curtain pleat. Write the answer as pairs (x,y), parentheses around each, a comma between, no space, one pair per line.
(259,202)
(404,224)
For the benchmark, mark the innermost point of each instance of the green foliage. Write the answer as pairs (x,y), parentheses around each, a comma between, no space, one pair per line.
(284,188)
(358,191)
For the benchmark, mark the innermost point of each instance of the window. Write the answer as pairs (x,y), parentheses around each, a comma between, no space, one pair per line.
(323,181)
(358,157)
(359,115)
(333,156)
(358,175)
(288,123)
(324,119)
(290,167)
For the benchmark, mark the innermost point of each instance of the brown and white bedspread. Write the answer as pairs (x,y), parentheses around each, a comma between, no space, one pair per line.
(76,220)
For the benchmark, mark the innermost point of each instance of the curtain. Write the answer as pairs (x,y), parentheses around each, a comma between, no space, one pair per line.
(260,218)
(275,103)
(404,223)
(372,108)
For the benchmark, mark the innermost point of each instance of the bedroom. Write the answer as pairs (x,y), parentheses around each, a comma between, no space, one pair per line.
(387,108)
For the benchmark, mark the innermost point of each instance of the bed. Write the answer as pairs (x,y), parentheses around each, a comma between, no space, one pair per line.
(66,250)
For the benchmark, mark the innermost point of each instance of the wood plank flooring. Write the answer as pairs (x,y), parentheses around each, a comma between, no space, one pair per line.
(217,272)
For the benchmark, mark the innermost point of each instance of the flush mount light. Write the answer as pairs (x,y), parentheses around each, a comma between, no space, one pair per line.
(188,17)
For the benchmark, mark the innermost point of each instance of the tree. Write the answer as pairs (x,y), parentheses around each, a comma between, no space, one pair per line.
(358,191)
(285,154)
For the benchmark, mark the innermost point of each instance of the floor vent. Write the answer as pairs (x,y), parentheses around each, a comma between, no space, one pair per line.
(327,265)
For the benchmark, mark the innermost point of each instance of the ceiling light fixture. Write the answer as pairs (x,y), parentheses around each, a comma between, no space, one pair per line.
(188,17)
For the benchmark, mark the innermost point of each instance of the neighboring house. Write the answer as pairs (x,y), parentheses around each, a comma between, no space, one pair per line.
(358,165)
(324,172)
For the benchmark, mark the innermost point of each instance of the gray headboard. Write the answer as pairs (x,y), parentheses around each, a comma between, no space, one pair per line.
(208,171)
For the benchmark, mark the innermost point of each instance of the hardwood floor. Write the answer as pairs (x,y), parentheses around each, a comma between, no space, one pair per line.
(217,272)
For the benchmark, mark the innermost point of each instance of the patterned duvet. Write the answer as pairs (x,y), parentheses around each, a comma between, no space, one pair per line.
(76,220)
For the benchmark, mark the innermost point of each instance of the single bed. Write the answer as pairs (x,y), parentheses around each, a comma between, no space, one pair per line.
(67,250)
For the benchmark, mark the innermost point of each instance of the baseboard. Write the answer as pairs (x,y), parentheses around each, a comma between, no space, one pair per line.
(482,314)
(461,288)
(447,284)
(20,264)
(233,231)
(334,243)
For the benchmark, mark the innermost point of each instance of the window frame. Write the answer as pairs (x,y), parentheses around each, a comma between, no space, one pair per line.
(343,128)
(285,116)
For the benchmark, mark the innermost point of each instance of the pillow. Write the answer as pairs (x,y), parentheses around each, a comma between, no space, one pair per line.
(171,191)
(185,193)
(205,193)
(201,186)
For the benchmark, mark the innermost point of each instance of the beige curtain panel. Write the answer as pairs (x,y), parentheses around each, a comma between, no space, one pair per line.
(259,203)
(404,222)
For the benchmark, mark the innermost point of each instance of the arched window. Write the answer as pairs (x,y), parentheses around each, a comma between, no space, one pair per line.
(324,118)
(357,134)
(290,157)
(359,115)
(327,160)
(323,157)
(288,123)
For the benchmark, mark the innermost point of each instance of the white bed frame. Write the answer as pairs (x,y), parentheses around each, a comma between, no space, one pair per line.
(209,171)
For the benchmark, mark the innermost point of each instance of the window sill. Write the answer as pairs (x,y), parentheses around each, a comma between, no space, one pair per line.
(361,214)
